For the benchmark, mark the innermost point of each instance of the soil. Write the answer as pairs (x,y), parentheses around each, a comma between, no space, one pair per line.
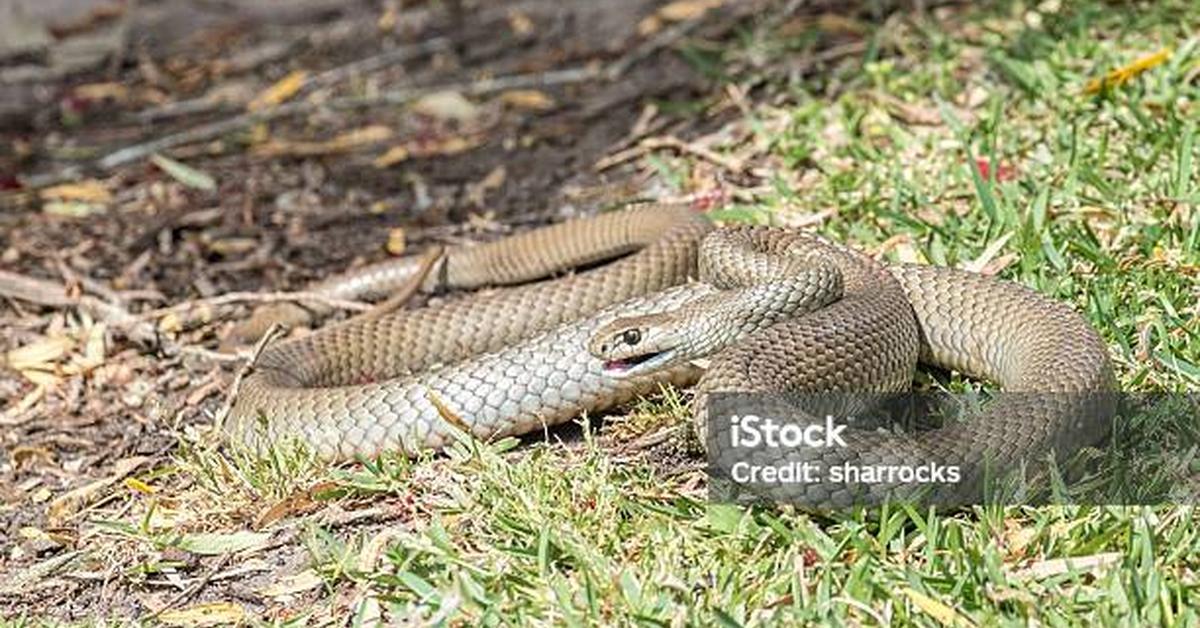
(276,220)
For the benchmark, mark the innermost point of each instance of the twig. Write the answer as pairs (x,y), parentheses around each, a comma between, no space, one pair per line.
(89,284)
(328,78)
(620,157)
(138,326)
(273,332)
(378,62)
(429,259)
(646,441)
(256,297)
(52,294)
(218,128)
(209,354)
(212,130)
(39,291)
(833,53)
(662,39)
(188,107)
(187,593)
(732,164)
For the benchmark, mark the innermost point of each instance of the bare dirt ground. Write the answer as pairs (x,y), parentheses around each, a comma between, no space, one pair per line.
(432,151)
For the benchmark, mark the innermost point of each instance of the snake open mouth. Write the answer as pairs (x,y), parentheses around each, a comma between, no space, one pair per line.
(643,362)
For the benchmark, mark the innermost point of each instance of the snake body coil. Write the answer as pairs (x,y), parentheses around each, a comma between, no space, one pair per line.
(515,360)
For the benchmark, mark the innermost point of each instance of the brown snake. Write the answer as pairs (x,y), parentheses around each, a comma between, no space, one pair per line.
(514,360)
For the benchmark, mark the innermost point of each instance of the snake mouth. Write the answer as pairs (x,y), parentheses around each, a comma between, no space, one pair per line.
(637,364)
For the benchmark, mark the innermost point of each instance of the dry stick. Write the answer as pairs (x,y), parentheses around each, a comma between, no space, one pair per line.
(647,48)
(732,164)
(191,106)
(328,78)
(87,283)
(269,336)
(53,294)
(187,593)
(212,130)
(376,62)
(429,259)
(257,297)
(39,291)
(646,441)
(207,104)
(138,326)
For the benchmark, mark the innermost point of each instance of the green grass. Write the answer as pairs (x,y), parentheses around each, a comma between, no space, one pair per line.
(1096,205)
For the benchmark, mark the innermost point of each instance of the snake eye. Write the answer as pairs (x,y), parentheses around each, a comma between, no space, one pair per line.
(631,336)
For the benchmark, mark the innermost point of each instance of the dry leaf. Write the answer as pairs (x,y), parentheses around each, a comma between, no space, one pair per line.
(208,614)
(102,91)
(282,90)
(476,192)
(259,134)
(23,457)
(290,585)
(449,146)
(836,23)
(649,26)
(170,323)
(99,13)
(494,179)
(681,10)
(74,500)
(11,416)
(135,484)
(45,379)
(1124,74)
(72,209)
(93,354)
(1017,540)
(389,18)
(41,354)
(396,242)
(977,265)
(997,265)
(185,174)
(365,135)
(86,191)
(232,247)
(448,415)
(943,614)
(520,23)
(912,113)
(527,99)
(341,143)
(393,156)
(446,105)
(825,23)
(372,551)
(297,503)
(218,543)
(1059,566)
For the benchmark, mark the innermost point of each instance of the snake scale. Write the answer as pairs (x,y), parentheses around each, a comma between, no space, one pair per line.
(517,359)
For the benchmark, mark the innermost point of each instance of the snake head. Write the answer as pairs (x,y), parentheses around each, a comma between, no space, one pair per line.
(636,345)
